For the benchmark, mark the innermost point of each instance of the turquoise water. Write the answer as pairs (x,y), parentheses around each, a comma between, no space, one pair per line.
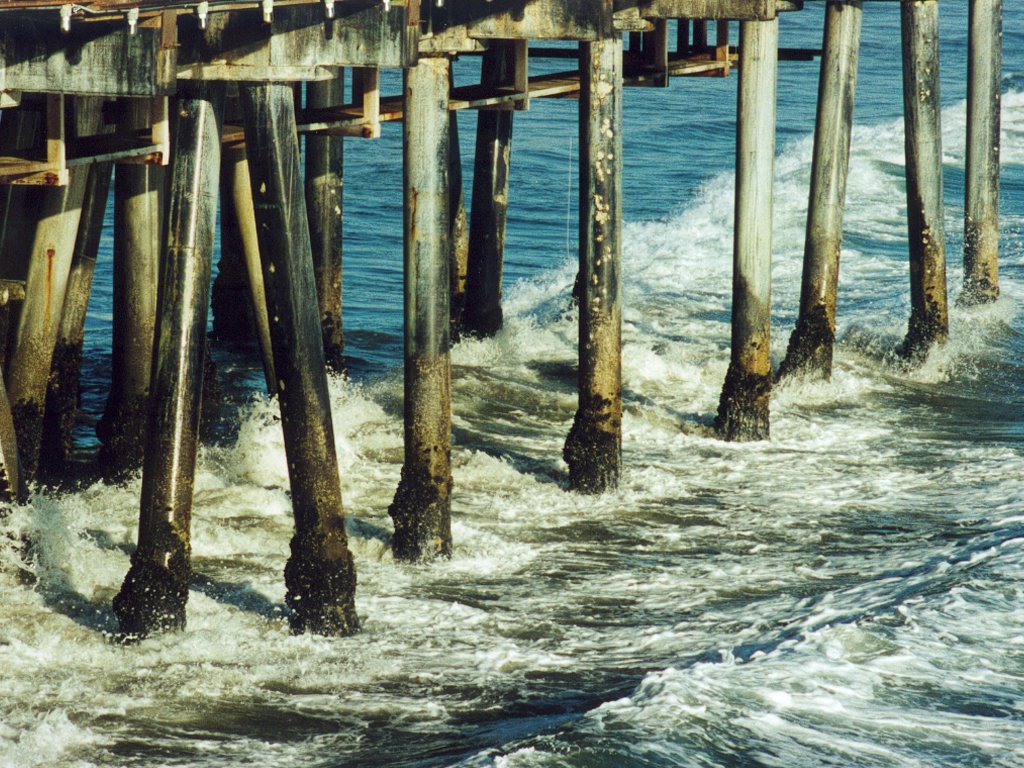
(848,594)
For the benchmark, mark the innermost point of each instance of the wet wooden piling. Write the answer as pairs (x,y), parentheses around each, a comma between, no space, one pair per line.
(138,220)
(743,411)
(458,230)
(929,313)
(981,208)
(593,449)
(154,593)
(325,179)
(482,315)
(63,386)
(810,346)
(421,509)
(238,207)
(320,574)
(38,325)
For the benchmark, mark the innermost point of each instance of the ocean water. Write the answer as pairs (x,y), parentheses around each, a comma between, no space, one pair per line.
(849,593)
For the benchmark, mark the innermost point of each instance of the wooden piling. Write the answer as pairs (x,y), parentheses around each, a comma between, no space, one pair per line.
(154,593)
(238,208)
(483,314)
(63,386)
(421,509)
(320,575)
(981,208)
(138,222)
(929,314)
(743,411)
(458,229)
(593,449)
(325,179)
(810,346)
(35,336)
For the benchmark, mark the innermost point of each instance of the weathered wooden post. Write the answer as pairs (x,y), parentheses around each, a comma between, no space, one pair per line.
(981,209)
(238,210)
(743,411)
(483,314)
(155,590)
(63,386)
(458,230)
(35,336)
(810,346)
(325,179)
(138,223)
(320,575)
(421,509)
(929,313)
(593,449)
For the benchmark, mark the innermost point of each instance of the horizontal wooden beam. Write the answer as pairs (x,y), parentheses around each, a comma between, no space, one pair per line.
(742,10)
(98,58)
(300,43)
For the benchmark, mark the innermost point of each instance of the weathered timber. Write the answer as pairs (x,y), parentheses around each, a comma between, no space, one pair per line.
(62,391)
(154,593)
(421,509)
(299,44)
(742,10)
(12,481)
(810,346)
(320,575)
(456,22)
(593,449)
(236,187)
(325,179)
(743,411)
(95,58)
(458,229)
(138,222)
(929,313)
(230,299)
(35,335)
(482,315)
(981,208)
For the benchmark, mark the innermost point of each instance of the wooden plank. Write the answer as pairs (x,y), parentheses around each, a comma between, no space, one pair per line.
(299,44)
(96,58)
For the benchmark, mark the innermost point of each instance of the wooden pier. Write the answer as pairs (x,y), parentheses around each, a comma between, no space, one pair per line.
(177,105)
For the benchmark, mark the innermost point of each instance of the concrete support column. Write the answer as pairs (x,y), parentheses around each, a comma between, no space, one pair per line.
(320,575)
(981,208)
(155,590)
(483,314)
(810,346)
(421,509)
(593,449)
(325,181)
(743,411)
(929,313)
